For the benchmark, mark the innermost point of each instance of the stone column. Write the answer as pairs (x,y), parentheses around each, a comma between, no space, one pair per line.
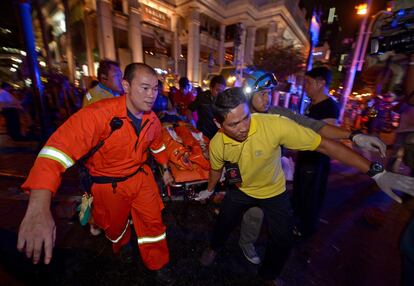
(221,50)
(287,100)
(271,34)
(105,29)
(241,48)
(58,56)
(193,46)
(89,44)
(250,42)
(68,42)
(134,34)
(176,46)
(275,98)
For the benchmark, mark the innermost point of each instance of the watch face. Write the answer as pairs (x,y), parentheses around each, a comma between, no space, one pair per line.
(377,167)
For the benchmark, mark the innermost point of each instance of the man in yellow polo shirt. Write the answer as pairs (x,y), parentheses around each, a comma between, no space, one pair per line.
(252,142)
(110,83)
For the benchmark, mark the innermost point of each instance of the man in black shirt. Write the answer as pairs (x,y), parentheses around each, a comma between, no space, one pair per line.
(203,105)
(312,168)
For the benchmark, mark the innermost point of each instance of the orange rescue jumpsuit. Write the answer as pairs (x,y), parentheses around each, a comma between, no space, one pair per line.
(121,155)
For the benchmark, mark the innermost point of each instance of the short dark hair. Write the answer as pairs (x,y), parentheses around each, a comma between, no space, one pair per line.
(217,79)
(183,82)
(130,70)
(321,73)
(105,66)
(226,101)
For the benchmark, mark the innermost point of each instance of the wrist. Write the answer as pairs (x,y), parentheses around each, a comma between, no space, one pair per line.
(39,199)
(375,169)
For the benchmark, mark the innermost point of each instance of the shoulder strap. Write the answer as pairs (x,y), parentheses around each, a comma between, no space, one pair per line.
(116,123)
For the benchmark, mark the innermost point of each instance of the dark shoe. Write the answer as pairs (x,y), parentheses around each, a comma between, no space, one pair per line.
(127,254)
(208,256)
(250,253)
(162,277)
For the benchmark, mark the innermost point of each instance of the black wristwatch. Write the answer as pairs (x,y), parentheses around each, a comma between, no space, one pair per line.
(166,169)
(353,134)
(375,169)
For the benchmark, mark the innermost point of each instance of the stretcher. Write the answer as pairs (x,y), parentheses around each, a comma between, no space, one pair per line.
(187,150)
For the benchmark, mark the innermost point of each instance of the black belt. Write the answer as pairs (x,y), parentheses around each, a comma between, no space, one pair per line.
(115,180)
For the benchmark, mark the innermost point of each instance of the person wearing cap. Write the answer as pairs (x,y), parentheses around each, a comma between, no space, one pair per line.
(260,102)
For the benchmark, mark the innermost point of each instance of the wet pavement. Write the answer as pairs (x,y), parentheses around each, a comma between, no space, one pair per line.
(356,244)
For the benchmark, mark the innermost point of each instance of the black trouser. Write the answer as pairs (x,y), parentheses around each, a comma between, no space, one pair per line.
(309,188)
(407,251)
(278,215)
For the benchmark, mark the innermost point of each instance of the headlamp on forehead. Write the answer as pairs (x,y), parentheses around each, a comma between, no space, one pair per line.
(247,89)
(260,81)
(266,81)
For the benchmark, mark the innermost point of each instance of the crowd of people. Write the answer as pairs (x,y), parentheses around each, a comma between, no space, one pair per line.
(116,128)
(22,112)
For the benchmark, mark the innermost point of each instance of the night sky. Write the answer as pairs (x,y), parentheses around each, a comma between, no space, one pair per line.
(348,19)
(9,20)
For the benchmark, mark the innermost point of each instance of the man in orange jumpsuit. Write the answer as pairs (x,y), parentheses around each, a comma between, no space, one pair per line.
(123,184)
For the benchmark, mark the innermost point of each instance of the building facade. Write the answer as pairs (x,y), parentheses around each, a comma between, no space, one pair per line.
(186,38)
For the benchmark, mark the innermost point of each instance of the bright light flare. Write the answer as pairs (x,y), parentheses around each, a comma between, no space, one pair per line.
(17,60)
(231,79)
(247,89)
(362,9)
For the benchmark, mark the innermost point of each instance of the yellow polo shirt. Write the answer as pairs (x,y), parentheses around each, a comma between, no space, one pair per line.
(95,94)
(259,155)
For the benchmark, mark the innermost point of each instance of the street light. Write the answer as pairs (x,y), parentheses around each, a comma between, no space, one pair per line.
(362,9)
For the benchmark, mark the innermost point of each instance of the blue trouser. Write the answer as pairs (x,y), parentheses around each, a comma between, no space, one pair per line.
(407,251)
(279,218)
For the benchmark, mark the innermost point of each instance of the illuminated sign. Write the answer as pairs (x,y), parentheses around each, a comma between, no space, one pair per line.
(155,17)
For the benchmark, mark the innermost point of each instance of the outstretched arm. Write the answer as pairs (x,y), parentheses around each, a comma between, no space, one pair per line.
(385,180)
(37,230)
(369,143)
(344,154)
(64,147)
